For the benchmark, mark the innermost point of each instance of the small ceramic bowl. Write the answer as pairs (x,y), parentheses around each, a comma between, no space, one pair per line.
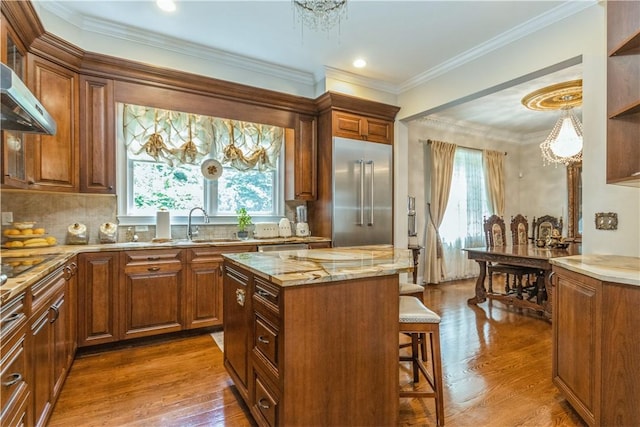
(23,225)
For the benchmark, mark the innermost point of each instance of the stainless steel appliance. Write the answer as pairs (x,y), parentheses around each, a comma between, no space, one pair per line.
(21,111)
(363,193)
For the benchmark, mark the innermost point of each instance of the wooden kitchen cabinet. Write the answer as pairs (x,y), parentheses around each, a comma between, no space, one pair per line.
(282,341)
(301,160)
(14,161)
(203,301)
(48,348)
(98,298)
(151,292)
(97,136)
(623,93)
(54,159)
(15,394)
(356,126)
(237,324)
(596,342)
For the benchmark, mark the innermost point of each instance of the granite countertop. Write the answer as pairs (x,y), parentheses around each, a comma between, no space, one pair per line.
(608,268)
(58,255)
(309,266)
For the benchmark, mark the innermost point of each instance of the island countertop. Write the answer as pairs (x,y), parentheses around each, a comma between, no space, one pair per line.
(609,268)
(310,266)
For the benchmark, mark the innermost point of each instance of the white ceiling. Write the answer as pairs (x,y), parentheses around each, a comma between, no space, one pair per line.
(403,42)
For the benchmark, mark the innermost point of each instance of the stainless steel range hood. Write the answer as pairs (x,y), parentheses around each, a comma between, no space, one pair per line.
(21,111)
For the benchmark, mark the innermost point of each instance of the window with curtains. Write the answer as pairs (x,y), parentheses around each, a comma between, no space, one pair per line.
(162,153)
(462,223)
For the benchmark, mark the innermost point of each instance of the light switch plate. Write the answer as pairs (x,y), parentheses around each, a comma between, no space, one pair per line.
(7,218)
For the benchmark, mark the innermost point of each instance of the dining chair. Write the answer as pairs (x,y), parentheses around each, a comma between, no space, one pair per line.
(494,230)
(544,226)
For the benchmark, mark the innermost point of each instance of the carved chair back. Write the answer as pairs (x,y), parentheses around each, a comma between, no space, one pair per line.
(544,226)
(519,230)
(494,231)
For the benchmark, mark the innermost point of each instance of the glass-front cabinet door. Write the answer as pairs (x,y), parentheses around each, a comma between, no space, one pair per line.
(14,171)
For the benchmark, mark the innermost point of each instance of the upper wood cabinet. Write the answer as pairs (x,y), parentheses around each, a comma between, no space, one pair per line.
(301,160)
(53,159)
(623,93)
(97,136)
(361,127)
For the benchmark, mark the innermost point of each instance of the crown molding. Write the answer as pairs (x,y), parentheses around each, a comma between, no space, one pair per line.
(347,77)
(556,14)
(473,129)
(160,41)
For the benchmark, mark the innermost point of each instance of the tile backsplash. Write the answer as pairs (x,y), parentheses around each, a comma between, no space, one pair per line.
(57,211)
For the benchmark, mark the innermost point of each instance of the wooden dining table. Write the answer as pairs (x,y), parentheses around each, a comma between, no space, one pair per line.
(523,256)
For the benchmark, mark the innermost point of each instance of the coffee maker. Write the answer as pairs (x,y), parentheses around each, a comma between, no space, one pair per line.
(302,227)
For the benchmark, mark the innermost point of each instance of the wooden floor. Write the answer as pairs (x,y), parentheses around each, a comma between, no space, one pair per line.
(496,367)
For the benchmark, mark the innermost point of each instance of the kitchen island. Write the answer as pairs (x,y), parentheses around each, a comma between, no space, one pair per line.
(311,336)
(596,339)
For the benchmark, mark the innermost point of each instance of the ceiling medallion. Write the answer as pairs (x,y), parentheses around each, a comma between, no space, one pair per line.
(564,143)
(555,97)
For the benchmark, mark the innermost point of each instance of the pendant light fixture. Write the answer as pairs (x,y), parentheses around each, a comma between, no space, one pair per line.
(564,143)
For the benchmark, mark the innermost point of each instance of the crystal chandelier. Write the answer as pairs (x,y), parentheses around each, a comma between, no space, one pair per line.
(564,143)
(320,14)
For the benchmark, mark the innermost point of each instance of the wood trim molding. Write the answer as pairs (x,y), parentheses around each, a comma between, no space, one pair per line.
(341,102)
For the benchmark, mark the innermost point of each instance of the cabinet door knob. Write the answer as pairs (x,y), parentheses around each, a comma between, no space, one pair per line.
(56,310)
(12,379)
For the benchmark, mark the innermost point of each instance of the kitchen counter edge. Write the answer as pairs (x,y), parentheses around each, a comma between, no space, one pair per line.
(608,268)
(63,253)
(315,266)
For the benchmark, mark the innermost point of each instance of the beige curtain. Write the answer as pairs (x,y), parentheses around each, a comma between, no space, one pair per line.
(178,138)
(441,171)
(494,167)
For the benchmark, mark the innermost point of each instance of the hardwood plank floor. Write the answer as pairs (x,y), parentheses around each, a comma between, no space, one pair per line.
(496,367)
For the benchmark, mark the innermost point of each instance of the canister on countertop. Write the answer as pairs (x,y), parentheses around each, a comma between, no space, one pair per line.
(108,232)
(77,234)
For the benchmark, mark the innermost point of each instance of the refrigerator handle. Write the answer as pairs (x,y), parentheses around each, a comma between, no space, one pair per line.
(371,187)
(361,192)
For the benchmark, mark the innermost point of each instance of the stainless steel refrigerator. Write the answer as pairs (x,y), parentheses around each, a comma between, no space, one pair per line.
(363,193)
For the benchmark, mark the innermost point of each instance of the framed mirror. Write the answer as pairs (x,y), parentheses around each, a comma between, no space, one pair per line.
(574,185)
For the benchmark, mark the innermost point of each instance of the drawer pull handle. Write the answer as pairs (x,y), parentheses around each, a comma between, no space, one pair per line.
(153,258)
(56,310)
(263,340)
(262,293)
(153,268)
(14,379)
(12,317)
(264,403)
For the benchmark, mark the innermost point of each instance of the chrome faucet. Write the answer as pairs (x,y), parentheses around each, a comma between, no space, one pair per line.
(191,233)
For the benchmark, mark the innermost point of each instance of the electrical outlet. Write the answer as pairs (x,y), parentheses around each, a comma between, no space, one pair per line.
(7,218)
(142,228)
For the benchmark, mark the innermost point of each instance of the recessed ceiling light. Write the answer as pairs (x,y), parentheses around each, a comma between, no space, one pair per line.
(360,63)
(166,5)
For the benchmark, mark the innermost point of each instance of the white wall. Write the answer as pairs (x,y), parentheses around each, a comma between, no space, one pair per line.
(582,34)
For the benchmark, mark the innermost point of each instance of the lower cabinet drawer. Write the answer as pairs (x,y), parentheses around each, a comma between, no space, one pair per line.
(266,340)
(265,403)
(13,375)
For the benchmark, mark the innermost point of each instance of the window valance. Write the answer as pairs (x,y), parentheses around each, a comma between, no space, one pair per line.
(179,138)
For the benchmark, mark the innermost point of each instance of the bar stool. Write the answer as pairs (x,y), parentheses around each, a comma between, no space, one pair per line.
(414,290)
(417,320)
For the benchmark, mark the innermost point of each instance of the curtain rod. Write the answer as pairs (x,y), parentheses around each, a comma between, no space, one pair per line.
(429,141)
